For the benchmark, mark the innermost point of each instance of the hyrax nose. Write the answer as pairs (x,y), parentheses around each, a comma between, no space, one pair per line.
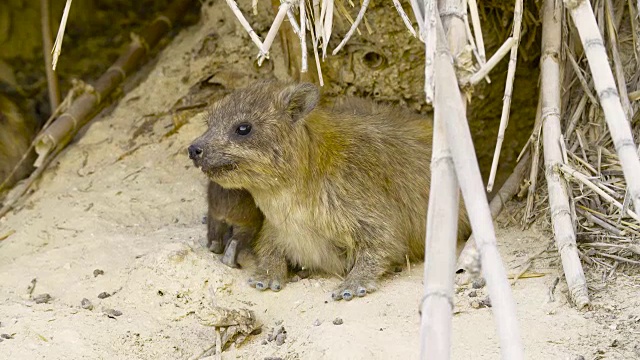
(195,152)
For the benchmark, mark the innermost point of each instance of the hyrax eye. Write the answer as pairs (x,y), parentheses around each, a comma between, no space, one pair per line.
(243,129)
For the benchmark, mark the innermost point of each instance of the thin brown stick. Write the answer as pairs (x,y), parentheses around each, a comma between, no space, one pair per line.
(52,78)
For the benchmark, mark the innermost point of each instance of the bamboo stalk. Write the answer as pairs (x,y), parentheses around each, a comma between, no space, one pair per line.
(303,36)
(273,31)
(551,133)
(468,174)
(620,130)
(508,90)
(245,24)
(442,229)
(404,17)
(62,130)
(442,224)
(429,37)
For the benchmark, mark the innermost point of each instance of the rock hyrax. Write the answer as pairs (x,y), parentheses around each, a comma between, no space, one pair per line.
(344,189)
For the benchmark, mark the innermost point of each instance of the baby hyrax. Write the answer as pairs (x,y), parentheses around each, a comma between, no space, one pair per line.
(344,189)
(233,221)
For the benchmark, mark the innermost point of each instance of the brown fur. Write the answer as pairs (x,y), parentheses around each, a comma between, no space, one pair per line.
(17,130)
(344,188)
(233,221)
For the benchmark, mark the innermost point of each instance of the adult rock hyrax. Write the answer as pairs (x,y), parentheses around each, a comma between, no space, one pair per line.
(344,189)
(233,221)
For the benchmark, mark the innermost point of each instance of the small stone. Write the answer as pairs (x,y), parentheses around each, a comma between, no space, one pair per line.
(580,357)
(86,304)
(103,295)
(615,343)
(279,322)
(264,342)
(317,322)
(478,283)
(280,338)
(295,278)
(475,304)
(486,302)
(588,315)
(473,293)
(6,336)
(338,321)
(112,313)
(42,298)
(97,272)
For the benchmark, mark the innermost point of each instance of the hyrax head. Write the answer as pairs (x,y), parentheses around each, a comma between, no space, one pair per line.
(251,133)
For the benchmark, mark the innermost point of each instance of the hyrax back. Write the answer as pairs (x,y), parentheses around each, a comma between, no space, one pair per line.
(344,189)
(233,221)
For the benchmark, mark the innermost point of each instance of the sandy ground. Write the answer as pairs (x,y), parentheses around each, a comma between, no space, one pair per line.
(139,219)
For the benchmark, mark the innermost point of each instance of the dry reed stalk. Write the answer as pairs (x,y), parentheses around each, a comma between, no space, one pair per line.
(245,24)
(508,90)
(477,29)
(52,78)
(468,174)
(493,61)
(57,45)
(584,179)
(326,17)
(442,223)
(353,28)
(584,20)
(551,133)
(273,31)
(405,18)
(535,160)
(418,12)
(62,130)
(617,62)
(579,76)
(509,189)
(303,35)
(442,229)
(430,41)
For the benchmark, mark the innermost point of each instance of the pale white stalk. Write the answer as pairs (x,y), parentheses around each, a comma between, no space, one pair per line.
(558,199)
(303,35)
(314,40)
(442,223)
(353,28)
(617,62)
(493,61)
(293,22)
(429,37)
(273,31)
(470,181)
(405,18)
(327,26)
(245,24)
(57,45)
(477,29)
(508,90)
(254,6)
(418,12)
(442,228)
(620,130)
(581,79)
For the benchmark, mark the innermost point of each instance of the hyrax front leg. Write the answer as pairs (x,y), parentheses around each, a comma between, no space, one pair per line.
(363,277)
(272,268)
(241,238)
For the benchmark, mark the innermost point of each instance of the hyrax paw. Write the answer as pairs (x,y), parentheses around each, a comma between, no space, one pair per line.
(350,288)
(262,281)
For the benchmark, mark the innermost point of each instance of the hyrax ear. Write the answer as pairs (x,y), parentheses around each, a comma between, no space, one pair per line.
(299,100)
